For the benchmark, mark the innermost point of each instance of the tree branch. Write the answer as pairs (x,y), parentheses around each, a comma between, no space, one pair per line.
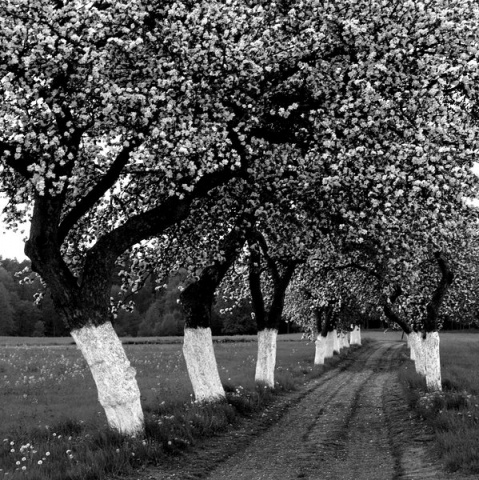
(96,193)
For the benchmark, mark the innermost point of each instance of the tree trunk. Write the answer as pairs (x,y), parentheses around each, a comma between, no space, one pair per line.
(114,377)
(336,345)
(321,349)
(417,345)
(197,300)
(432,362)
(267,320)
(330,344)
(409,341)
(266,357)
(201,364)
(356,336)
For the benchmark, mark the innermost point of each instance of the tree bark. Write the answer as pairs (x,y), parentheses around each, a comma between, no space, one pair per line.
(196,300)
(356,335)
(336,345)
(114,377)
(266,360)
(267,320)
(418,353)
(330,344)
(201,364)
(432,362)
(323,320)
(321,350)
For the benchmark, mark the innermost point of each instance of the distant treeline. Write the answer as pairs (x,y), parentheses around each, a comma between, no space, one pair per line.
(156,312)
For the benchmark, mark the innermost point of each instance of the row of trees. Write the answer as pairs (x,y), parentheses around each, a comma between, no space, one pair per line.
(157,312)
(312,153)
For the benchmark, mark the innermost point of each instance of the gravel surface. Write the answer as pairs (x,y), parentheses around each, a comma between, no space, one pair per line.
(352,423)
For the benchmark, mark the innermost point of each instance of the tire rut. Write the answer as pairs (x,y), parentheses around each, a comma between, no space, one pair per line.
(313,440)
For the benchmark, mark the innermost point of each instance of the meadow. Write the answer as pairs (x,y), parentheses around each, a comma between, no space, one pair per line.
(453,414)
(54,428)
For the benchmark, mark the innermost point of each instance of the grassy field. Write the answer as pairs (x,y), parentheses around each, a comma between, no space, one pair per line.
(454,414)
(54,428)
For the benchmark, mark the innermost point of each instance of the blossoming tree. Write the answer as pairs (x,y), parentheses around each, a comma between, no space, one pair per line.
(117,117)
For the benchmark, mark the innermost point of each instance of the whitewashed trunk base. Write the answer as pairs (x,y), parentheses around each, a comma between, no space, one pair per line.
(118,391)
(410,341)
(336,344)
(201,365)
(266,360)
(432,361)
(321,349)
(329,345)
(356,336)
(416,343)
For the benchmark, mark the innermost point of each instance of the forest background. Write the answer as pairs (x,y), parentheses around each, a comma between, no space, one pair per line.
(157,311)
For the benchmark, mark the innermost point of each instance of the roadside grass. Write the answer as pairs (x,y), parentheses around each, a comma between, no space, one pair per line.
(454,413)
(54,428)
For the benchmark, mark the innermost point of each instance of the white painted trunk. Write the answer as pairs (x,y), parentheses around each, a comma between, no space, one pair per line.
(410,342)
(266,360)
(346,340)
(356,336)
(329,345)
(118,391)
(417,346)
(432,361)
(336,345)
(201,365)
(321,349)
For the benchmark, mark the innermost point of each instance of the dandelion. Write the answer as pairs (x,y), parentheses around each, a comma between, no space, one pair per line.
(47,454)
(17,462)
(24,459)
(40,462)
(24,468)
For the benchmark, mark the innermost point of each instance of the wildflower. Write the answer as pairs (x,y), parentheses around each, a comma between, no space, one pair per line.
(12,450)
(39,462)
(24,468)
(24,459)
(12,443)
(47,454)
(17,462)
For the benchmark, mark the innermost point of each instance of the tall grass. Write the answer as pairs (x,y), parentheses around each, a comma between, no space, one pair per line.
(54,428)
(454,413)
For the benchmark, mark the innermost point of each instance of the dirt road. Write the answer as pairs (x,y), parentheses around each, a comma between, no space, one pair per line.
(350,424)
